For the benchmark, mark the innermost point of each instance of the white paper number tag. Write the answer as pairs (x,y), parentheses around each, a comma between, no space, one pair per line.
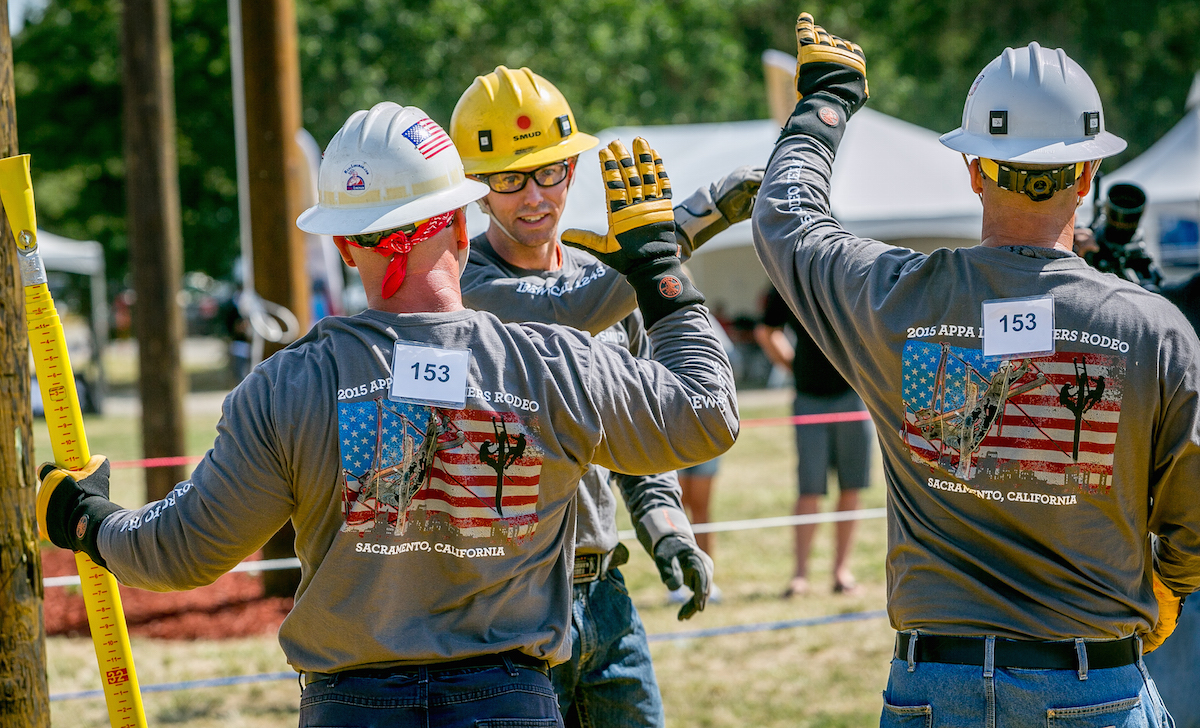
(1018,327)
(429,375)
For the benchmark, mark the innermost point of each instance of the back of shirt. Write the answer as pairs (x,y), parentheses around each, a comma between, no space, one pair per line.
(426,532)
(1021,488)
(582,292)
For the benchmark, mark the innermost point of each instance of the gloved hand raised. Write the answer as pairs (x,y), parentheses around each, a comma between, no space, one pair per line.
(831,83)
(72,504)
(711,209)
(1169,608)
(640,242)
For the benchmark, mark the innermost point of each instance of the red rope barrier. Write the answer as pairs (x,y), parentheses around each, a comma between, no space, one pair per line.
(157,462)
(823,419)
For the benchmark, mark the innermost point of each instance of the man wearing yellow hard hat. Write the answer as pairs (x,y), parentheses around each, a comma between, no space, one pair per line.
(516,133)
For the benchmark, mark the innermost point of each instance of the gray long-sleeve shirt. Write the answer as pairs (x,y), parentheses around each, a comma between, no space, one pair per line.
(428,533)
(584,291)
(580,293)
(1021,489)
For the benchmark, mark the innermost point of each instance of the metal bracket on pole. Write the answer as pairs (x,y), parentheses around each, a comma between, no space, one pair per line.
(269,321)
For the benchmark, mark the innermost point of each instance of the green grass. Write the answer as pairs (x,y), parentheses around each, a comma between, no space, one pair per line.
(120,438)
(828,676)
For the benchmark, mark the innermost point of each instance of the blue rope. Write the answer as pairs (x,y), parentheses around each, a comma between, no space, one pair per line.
(765,626)
(212,682)
(218,682)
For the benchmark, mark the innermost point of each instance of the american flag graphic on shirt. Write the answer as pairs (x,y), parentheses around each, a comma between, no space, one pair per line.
(414,470)
(427,137)
(1051,420)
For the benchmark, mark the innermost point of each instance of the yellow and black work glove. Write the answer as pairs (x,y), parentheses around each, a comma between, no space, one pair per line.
(1169,608)
(640,243)
(711,209)
(72,504)
(831,83)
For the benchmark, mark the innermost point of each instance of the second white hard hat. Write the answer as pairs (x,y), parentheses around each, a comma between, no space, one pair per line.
(1036,106)
(387,167)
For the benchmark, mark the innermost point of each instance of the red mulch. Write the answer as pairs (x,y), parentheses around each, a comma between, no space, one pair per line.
(232,606)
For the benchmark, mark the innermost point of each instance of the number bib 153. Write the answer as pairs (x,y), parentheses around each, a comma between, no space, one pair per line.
(1018,327)
(429,375)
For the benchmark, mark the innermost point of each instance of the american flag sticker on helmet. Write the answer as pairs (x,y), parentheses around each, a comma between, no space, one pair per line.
(428,138)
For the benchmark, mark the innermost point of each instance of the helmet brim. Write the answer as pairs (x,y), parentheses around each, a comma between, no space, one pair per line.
(1034,151)
(322,220)
(577,143)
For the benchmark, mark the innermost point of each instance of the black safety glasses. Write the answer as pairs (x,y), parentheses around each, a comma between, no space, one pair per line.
(508,182)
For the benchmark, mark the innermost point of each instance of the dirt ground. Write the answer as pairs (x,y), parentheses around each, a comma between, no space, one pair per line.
(231,607)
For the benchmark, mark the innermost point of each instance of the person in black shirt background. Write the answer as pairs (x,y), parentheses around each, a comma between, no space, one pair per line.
(844,445)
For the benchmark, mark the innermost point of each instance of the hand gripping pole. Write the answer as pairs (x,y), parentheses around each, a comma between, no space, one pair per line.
(64,419)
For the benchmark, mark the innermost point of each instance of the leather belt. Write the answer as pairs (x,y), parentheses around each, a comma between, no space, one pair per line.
(382,673)
(590,567)
(1027,654)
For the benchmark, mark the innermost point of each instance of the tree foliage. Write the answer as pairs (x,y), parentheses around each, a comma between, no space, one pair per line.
(617,62)
(68,79)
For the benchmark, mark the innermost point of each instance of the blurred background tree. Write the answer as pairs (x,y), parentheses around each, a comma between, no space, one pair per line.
(67,60)
(617,61)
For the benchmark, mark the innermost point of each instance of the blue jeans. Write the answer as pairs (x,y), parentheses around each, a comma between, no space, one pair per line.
(510,695)
(609,680)
(936,694)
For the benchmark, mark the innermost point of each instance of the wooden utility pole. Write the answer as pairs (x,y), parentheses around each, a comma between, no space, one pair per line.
(155,233)
(24,696)
(276,165)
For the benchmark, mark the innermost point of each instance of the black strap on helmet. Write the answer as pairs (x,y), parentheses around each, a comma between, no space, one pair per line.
(1036,184)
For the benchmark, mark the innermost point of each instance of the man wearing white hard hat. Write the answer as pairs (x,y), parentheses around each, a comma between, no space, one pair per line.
(426,453)
(1039,420)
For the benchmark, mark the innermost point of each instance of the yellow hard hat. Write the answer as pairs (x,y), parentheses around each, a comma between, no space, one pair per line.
(513,120)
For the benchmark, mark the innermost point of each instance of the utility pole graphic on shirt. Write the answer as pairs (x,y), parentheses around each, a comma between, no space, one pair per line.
(1085,394)
(500,455)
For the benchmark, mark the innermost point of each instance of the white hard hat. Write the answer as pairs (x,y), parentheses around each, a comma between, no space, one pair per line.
(387,167)
(1034,106)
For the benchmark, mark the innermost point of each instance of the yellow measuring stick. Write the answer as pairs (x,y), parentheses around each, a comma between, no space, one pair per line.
(106,618)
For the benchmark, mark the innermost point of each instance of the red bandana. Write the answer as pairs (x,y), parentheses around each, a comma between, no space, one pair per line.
(397,246)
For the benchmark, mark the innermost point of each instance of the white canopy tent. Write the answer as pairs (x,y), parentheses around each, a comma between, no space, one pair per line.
(85,258)
(1169,173)
(891,181)
(86,346)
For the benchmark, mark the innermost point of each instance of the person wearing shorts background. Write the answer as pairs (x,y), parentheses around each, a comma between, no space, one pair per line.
(844,445)
(696,484)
